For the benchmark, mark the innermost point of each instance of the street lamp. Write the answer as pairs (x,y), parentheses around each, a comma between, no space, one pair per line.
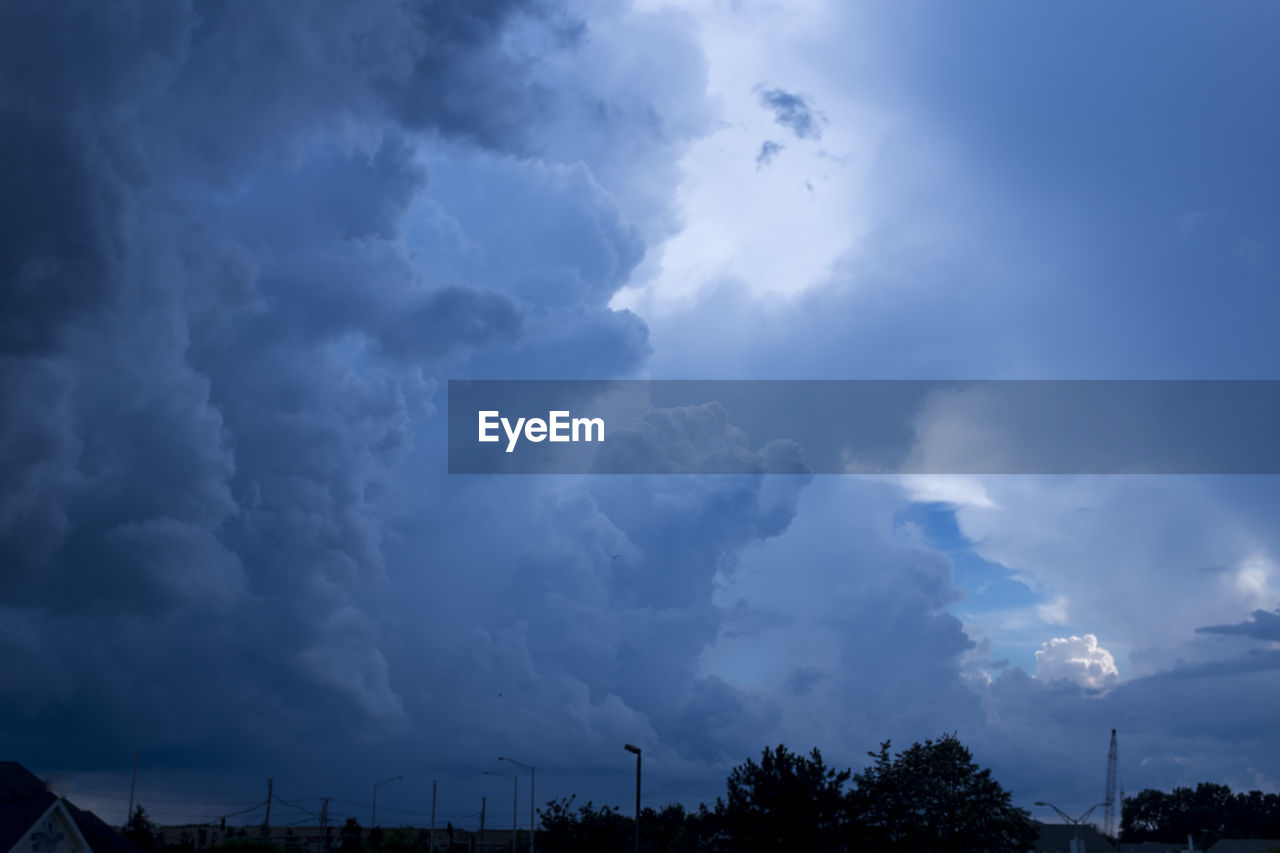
(1073,821)
(533,829)
(373,815)
(515,798)
(635,749)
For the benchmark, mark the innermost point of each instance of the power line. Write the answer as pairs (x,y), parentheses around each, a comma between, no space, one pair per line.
(245,811)
(187,801)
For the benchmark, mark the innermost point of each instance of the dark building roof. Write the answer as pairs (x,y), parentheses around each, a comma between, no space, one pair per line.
(1057,837)
(101,837)
(24,798)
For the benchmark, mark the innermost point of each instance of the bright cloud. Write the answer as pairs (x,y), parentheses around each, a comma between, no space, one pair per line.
(1077,659)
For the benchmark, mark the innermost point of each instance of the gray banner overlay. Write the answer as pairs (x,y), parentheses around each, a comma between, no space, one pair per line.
(864,427)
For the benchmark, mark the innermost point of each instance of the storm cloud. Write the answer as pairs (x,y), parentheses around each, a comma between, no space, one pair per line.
(246,245)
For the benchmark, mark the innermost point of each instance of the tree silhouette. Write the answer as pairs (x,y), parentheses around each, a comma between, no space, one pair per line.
(1208,812)
(584,830)
(933,796)
(351,836)
(786,802)
(141,831)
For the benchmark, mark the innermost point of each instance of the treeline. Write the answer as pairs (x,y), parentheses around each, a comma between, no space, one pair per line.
(1207,812)
(931,796)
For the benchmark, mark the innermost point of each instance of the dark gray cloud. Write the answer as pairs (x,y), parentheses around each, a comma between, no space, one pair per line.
(247,242)
(793,111)
(698,439)
(255,243)
(1262,625)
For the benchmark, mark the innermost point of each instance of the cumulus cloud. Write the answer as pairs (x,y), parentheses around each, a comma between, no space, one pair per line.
(1077,659)
(250,244)
(247,243)
(698,439)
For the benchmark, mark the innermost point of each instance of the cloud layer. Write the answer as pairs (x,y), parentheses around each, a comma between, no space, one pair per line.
(247,243)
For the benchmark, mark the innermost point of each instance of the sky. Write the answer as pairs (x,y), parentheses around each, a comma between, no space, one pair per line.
(247,244)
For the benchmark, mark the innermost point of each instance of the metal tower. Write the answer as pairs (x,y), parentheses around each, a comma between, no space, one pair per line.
(1109,818)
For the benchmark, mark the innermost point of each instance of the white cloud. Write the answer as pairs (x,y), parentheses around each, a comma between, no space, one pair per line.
(1077,659)
(1104,544)
(1252,581)
(1054,612)
(952,489)
(779,229)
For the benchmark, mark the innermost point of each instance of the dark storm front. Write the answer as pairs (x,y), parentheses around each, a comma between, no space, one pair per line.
(875,427)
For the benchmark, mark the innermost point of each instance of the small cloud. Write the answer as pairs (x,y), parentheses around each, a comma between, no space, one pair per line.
(768,150)
(1194,222)
(1053,612)
(1077,659)
(794,111)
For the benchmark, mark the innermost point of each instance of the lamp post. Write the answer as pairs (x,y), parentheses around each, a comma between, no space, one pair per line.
(515,798)
(635,749)
(373,815)
(1068,818)
(533,829)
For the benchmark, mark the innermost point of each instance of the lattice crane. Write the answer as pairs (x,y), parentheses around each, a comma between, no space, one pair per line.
(1109,817)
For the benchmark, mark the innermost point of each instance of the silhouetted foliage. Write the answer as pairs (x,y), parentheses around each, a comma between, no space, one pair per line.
(933,796)
(565,830)
(786,802)
(400,839)
(245,845)
(141,831)
(1207,813)
(351,836)
(675,829)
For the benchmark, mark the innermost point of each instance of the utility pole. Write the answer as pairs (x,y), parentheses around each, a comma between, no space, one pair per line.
(134,783)
(515,803)
(482,820)
(636,751)
(433,816)
(266,821)
(324,821)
